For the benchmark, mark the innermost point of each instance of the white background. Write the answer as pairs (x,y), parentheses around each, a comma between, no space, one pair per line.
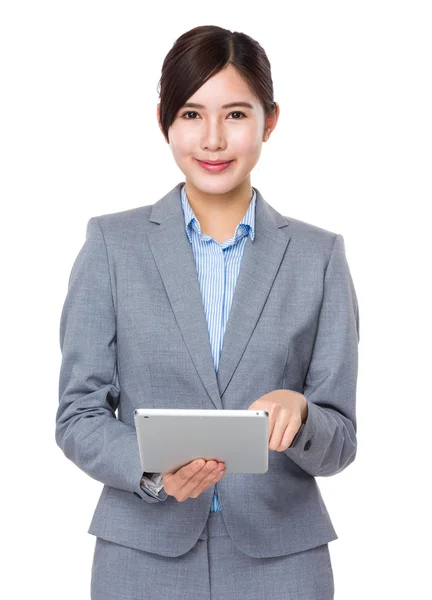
(351,153)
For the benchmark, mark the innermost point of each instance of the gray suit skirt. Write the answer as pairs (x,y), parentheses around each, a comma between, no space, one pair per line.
(214,569)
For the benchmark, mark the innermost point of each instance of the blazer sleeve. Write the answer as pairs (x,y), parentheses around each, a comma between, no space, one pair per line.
(326,443)
(87,429)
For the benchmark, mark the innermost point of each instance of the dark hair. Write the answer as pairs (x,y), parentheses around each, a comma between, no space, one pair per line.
(202,52)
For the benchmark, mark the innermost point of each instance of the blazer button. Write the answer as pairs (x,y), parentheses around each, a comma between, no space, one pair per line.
(137,495)
(308,445)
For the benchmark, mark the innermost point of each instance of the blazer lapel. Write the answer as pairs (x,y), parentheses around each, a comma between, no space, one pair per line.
(174,257)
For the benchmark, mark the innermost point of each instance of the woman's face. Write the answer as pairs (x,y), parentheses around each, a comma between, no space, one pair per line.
(211,132)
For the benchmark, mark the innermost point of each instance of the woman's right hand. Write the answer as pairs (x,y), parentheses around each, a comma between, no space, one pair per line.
(191,480)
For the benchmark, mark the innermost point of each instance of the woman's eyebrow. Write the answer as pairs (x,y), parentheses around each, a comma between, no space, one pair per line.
(230,105)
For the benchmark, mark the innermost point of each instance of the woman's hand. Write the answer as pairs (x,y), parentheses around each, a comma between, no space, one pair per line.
(287,411)
(192,480)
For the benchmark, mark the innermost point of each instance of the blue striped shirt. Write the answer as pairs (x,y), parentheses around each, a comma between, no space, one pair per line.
(218,266)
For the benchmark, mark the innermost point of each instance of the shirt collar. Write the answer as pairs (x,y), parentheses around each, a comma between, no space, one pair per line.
(192,221)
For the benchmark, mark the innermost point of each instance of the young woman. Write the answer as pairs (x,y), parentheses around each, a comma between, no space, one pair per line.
(210,298)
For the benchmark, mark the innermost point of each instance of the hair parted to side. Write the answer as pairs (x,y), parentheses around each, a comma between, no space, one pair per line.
(202,52)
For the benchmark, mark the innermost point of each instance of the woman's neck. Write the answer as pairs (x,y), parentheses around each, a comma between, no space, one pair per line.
(219,214)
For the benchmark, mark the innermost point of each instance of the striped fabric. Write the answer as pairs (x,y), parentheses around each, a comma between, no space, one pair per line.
(218,266)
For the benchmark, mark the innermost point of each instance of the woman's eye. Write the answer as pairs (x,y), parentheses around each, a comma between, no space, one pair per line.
(191,112)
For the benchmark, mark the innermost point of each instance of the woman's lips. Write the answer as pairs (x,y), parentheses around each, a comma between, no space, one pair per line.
(210,167)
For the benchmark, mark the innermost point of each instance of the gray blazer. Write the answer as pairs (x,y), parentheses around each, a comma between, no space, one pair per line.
(133,333)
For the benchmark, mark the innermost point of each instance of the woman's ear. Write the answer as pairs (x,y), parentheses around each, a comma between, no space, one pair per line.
(271,121)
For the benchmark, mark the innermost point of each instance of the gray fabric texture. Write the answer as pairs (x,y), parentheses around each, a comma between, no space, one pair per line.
(133,334)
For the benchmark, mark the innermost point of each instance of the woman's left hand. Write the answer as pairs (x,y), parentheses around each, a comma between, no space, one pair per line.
(287,411)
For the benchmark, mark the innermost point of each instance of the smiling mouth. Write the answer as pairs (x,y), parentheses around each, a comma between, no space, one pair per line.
(215,162)
(215,167)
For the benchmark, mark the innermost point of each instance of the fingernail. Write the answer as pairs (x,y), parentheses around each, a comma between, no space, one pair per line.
(199,464)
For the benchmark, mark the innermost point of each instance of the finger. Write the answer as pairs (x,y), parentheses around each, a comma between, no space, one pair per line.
(273,417)
(289,434)
(281,423)
(212,477)
(193,483)
(199,477)
(178,478)
(189,470)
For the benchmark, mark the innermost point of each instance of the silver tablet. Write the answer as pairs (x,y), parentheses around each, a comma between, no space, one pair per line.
(168,439)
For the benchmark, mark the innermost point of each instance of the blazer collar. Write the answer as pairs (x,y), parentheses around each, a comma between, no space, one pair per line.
(174,257)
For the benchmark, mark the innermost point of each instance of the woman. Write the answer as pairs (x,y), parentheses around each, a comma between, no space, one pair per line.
(151,304)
